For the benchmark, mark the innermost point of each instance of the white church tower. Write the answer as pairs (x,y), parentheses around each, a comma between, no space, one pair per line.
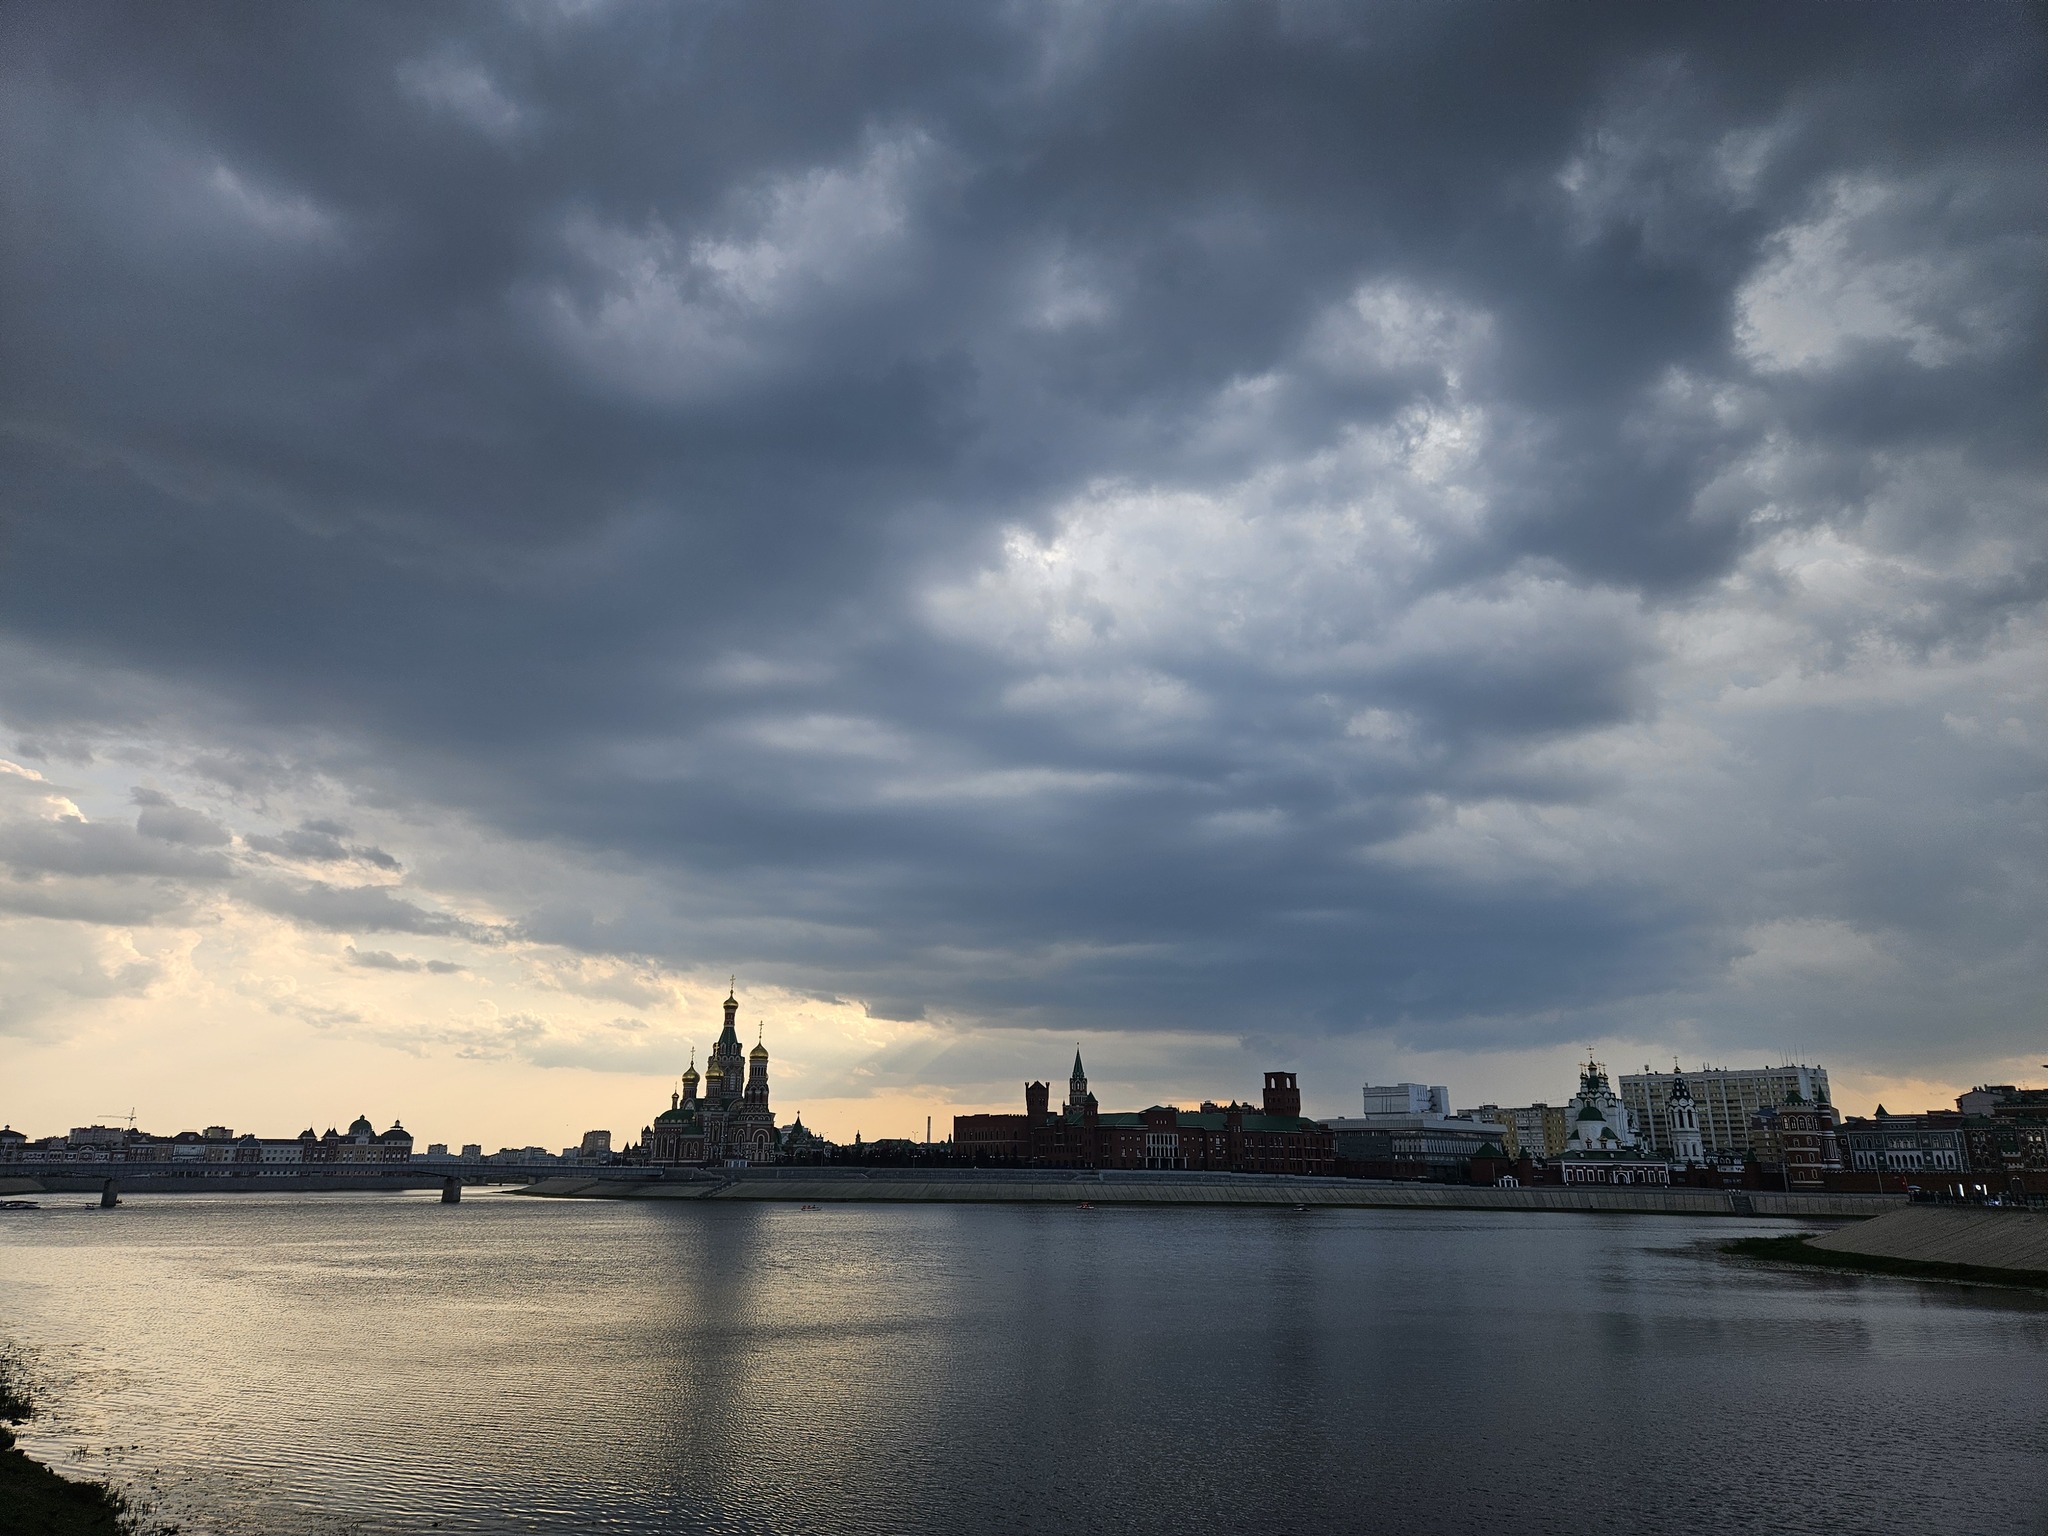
(1684,1120)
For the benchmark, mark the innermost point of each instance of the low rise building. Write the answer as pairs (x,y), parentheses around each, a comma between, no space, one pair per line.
(1934,1142)
(1409,1132)
(2003,1100)
(1274,1137)
(801,1144)
(1799,1140)
(522,1155)
(1434,1147)
(363,1144)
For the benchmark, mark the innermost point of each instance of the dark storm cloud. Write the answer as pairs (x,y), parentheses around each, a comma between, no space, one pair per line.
(319,842)
(167,821)
(384,960)
(674,433)
(358,909)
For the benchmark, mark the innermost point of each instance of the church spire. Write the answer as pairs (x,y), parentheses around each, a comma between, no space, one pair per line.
(729,1037)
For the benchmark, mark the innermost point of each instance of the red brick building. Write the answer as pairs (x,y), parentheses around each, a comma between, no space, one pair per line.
(1218,1138)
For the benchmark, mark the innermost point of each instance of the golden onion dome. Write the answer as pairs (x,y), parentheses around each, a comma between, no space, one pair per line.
(690,1076)
(758,1053)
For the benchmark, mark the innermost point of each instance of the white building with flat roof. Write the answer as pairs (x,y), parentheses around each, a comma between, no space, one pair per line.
(1406,1099)
(1723,1099)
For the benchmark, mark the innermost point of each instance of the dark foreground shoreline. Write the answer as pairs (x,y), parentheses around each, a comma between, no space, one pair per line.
(34,1501)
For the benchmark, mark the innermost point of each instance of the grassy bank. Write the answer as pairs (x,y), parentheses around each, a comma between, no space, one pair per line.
(1797,1250)
(34,1501)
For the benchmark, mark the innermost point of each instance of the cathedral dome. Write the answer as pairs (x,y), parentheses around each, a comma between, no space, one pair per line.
(690,1075)
(758,1053)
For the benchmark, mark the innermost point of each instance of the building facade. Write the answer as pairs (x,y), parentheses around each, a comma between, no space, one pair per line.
(727,1123)
(1935,1142)
(1406,1099)
(218,1144)
(363,1144)
(1217,1138)
(1724,1102)
(1435,1147)
(1799,1140)
(1537,1129)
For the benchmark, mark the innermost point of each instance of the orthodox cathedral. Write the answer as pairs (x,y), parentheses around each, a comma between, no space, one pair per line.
(1600,1122)
(1605,1144)
(730,1122)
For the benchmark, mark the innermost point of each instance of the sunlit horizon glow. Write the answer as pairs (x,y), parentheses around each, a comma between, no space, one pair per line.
(1383,543)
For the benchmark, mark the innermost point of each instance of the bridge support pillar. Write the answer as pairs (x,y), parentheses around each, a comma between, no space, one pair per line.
(109,1196)
(451,1191)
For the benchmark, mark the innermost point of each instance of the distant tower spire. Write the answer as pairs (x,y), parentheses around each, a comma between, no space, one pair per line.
(1077,1083)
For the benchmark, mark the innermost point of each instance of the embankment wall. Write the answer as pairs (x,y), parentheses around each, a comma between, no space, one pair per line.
(1001,1186)
(1949,1234)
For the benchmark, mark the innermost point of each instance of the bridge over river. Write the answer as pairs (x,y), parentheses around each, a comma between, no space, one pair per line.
(193,1176)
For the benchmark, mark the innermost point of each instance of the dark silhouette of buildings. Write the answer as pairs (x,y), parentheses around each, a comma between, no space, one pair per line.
(730,1122)
(1217,1138)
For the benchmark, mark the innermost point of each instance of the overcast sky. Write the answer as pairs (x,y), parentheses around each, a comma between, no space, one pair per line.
(1391,541)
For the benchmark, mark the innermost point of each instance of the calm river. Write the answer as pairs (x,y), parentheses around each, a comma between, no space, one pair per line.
(383,1363)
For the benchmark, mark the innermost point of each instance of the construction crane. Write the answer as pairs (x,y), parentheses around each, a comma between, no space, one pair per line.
(117,1115)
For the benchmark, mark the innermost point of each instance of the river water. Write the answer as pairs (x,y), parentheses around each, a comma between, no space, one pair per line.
(384,1363)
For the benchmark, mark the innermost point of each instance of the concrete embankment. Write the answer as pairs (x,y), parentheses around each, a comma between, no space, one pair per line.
(1005,1186)
(1946,1234)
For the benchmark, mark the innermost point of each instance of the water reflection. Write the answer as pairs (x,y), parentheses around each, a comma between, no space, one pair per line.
(386,1363)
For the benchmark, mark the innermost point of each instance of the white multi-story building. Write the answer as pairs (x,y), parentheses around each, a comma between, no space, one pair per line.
(1406,1099)
(1723,1100)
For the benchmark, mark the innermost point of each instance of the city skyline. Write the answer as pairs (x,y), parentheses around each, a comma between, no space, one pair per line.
(1388,543)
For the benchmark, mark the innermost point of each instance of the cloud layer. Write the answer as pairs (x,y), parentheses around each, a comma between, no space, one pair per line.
(1358,535)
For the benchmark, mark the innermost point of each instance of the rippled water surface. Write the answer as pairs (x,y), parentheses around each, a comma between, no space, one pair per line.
(384,1363)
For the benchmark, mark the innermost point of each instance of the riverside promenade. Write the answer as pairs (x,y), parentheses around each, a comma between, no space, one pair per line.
(1060,1186)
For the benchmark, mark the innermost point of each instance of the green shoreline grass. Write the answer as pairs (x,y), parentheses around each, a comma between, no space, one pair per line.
(34,1501)
(1797,1250)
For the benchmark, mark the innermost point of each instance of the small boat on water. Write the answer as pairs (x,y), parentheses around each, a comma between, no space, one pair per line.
(1086,1206)
(19,1205)
(807,1207)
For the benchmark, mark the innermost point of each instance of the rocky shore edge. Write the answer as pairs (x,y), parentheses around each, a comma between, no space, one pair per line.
(34,1501)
